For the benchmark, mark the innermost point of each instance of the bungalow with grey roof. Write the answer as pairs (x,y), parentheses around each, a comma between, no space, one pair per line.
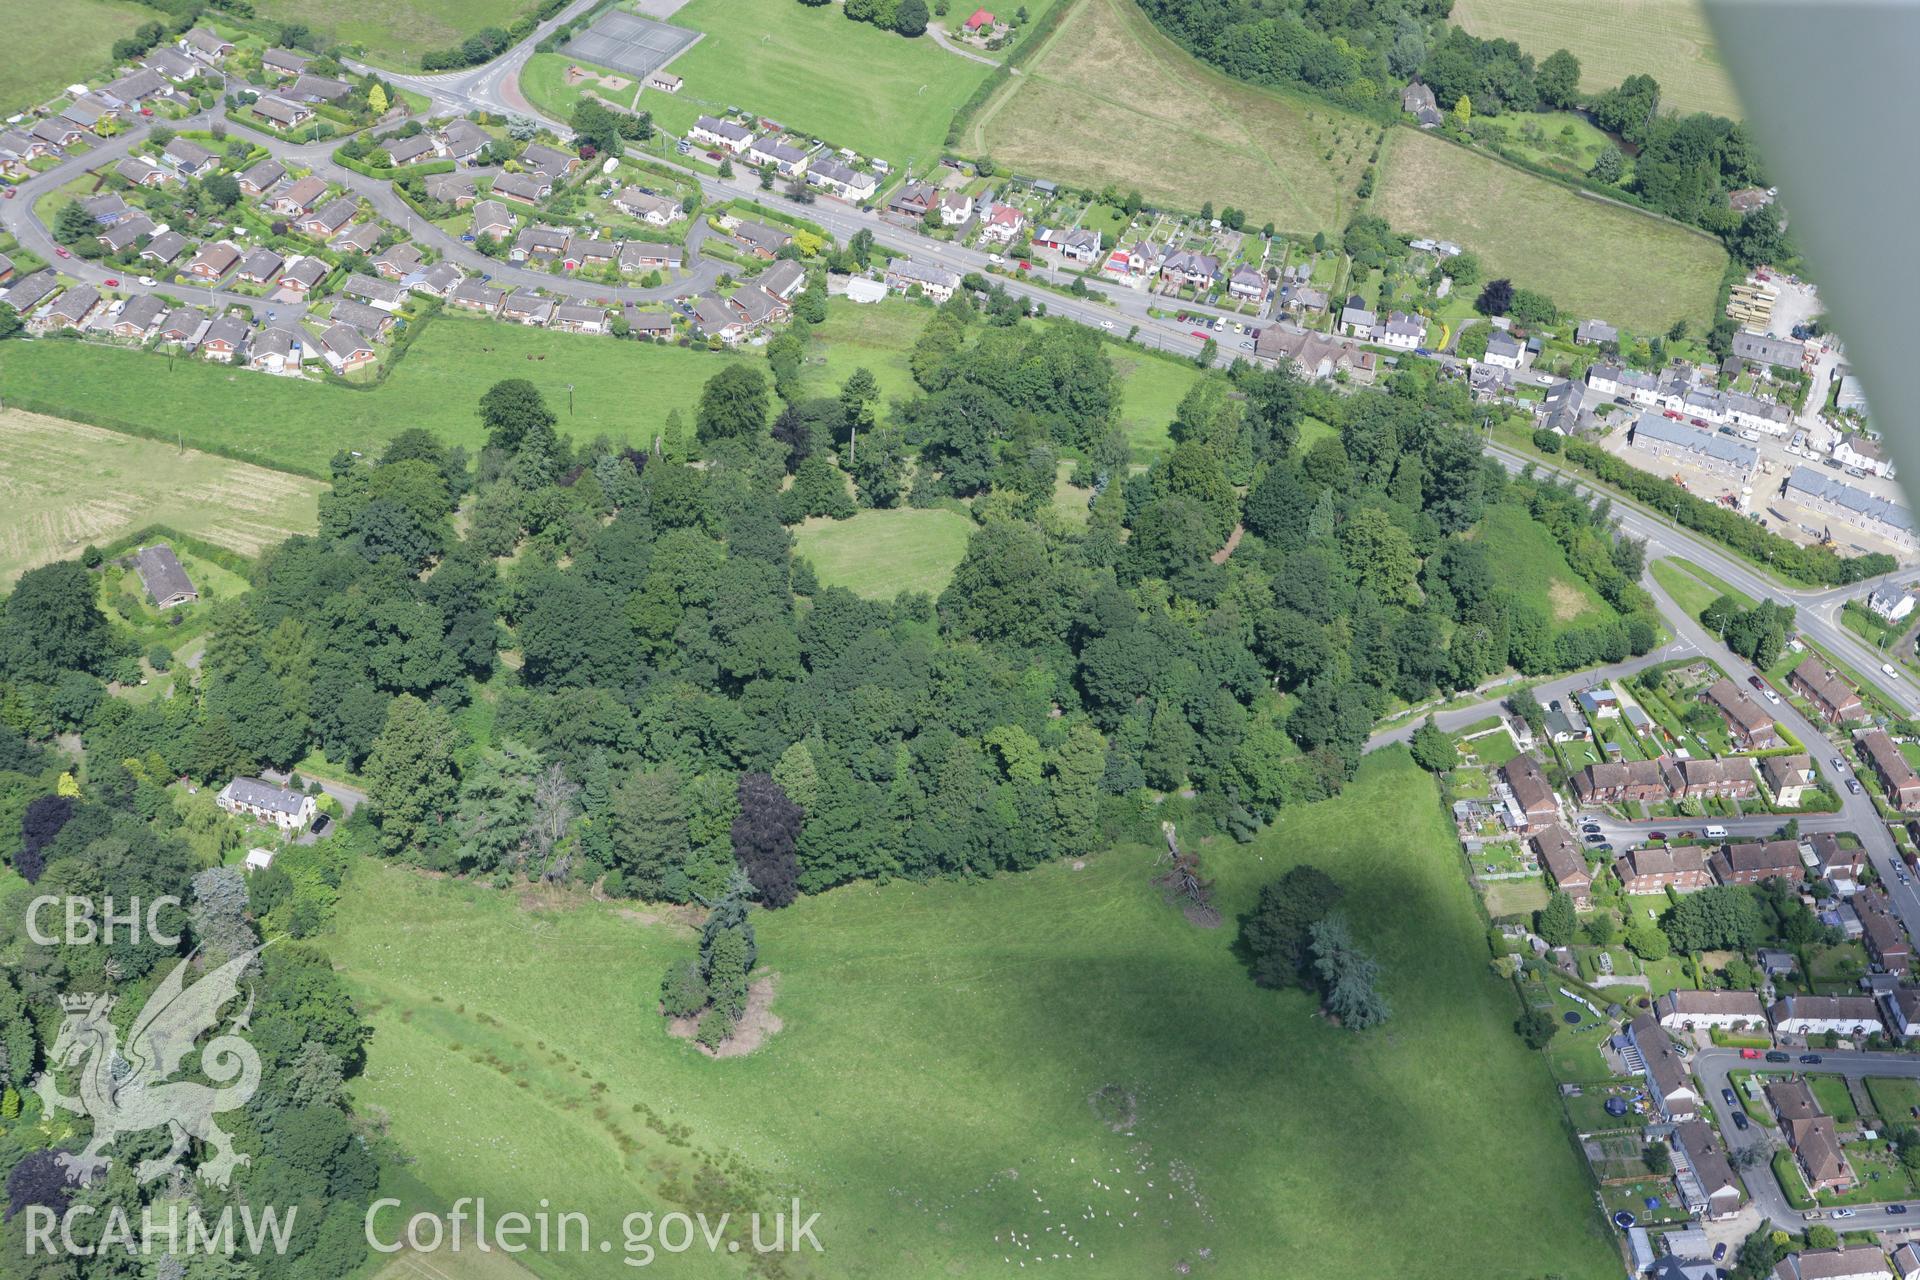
(300,198)
(125,233)
(578,317)
(905,275)
(328,219)
(400,260)
(188,158)
(1356,321)
(462,140)
(638,256)
(783,279)
(654,210)
(523,306)
(136,87)
(491,218)
(214,260)
(346,348)
(180,326)
(206,45)
(161,574)
(1591,333)
(589,253)
(539,241)
(56,132)
(363,237)
(648,324)
(260,265)
(406,151)
(456,189)
(713,318)
(275,350)
(88,110)
(757,307)
(557,165)
(171,63)
(312,88)
(371,321)
(527,188)
(282,113)
(760,239)
(476,295)
(107,208)
(71,311)
(224,339)
(138,317)
(1764,349)
(284,62)
(302,274)
(28,292)
(438,280)
(843,180)
(262,177)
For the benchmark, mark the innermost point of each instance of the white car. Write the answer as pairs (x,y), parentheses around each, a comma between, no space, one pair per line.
(1771,696)
(1106,324)
(1886,669)
(995,259)
(147,281)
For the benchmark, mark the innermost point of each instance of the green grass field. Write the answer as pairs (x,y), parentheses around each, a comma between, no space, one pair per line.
(1560,140)
(1110,99)
(1666,39)
(812,69)
(51,48)
(929,1093)
(623,389)
(1532,567)
(1692,587)
(1592,258)
(879,554)
(64,485)
(395,33)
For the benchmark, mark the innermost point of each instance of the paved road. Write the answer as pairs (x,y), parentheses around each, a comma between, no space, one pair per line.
(1561,688)
(1713,1066)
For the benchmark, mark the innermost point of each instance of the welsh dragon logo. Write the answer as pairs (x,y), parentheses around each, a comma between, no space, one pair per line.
(133,1091)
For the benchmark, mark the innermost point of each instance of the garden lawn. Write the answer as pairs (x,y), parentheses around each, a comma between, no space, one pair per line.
(395,34)
(811,69)
(1831,1092)
(51,46)
(64,485)
(1666,39)
(1896,1098)
(1591,257)
(878,336)
(930,1088)
(878,554)
(1532,567)
(1153,388)
(1110,99)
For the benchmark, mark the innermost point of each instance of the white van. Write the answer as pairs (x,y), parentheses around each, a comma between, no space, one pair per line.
(1716,833)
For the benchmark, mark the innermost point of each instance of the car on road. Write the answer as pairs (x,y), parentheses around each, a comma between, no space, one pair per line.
(1774,1055)
(10,191)
(1756,682)
(1845,1213)
(996,259)
(1771,696)
(1810,1059)
(1749,1053)
(1732,1099)
(1106,324)
(1886,669)
(1026,266)
(1740,1121)
(1839,764)
(1896,1208)
(111,283)
(1656,835)
(1198,334)
(147,281)
(1853,786)
(62,251)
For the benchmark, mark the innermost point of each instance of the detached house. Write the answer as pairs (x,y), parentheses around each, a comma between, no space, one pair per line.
(843,180)
(299,198)
(525,307)
(166,582)
(1193,270)
(406,151)
(138,317)
(913,199)
(282,113)
(262,177)
(302,274)
(1247,284)
(576,317)
(260,265)
(462,140)
(256,798)
(655,211)
(491,218)
(189,159)
(760,239)
(328,220)
(1001,224)
(205,45)
(224,339)
(213,260)
(284,63)
(525,188)
(1565,864)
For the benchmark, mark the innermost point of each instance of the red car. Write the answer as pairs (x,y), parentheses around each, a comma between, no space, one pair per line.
(62,252)
(10,192)
(113,284)
(1749,1053)
(1026,266)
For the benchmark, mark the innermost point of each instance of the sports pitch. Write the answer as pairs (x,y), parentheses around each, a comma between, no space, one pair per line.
(626,42)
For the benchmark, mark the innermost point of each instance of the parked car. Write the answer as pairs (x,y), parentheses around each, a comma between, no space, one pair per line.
(112,283)
(1810,1059)
(1590,827)
(1771,695)
(62,251)
(1853,786)
(1720,1251)
(1839,764)
(1732,1100)
(1749,1053)
(1845,1213)
(1594,837)
(1756,682)
(1656,835)
(1774,1055)
(1740,1121)
(1896,1208)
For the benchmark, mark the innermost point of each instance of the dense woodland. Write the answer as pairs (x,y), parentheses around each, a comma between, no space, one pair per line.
(590,663)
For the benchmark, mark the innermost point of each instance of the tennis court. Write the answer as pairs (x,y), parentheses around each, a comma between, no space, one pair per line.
(625,42)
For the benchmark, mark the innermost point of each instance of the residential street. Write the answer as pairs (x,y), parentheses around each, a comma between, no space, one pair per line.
(1713,1066)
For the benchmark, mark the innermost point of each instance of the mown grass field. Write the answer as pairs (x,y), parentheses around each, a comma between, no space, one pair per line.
(1666,39)
(395,33)
(1110,99)
(64,485)
(1592,258)
(811,69)
(879,554)
(1532,567)
(929,1093)
(51,46)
